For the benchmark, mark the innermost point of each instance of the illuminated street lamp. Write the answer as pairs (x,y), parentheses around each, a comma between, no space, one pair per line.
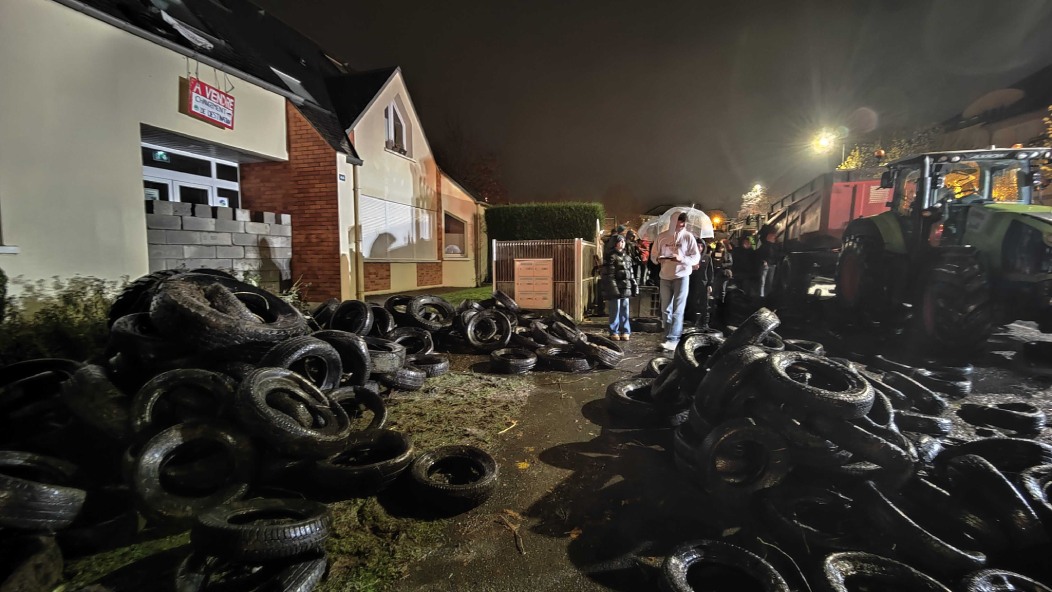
(826,141)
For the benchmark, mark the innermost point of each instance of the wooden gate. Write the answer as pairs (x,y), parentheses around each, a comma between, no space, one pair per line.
(572,263)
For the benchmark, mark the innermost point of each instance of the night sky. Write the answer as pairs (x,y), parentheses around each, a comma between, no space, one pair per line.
(637,104)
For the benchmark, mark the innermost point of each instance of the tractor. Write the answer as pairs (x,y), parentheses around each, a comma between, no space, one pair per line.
(962,248)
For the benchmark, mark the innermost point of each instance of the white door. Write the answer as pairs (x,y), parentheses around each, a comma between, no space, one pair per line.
(193,193)
(157,189)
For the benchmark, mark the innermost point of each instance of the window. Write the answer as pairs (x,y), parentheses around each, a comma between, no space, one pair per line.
(906,192)
(396,231)
(454,237)
(397,130)
(171,175)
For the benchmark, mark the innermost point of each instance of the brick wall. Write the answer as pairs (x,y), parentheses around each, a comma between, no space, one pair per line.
(429,274)
(256,245)
(377,277)
(304,187)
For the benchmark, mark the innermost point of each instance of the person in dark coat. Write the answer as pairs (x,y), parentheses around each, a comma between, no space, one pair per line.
(722,262)
(747,268)
(608,244)
(700,289)
(618,284)
(769,255)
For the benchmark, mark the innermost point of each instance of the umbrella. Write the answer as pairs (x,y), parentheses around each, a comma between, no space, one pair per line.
(698,223)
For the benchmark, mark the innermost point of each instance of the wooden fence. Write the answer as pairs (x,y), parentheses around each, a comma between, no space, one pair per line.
(573,285)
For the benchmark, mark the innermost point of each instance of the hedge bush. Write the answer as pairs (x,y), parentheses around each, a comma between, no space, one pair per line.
(543,221)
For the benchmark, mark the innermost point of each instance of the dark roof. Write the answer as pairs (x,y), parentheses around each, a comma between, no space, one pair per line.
(247,39)
(1037,95)
(352,93)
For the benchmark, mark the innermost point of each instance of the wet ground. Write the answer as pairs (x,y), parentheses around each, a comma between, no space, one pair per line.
(596,502)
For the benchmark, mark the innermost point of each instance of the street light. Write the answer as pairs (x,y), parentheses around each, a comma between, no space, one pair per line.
(827,139)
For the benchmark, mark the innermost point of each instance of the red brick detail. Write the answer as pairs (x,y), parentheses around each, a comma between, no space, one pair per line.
(377,277)
(304,186)
(429,274)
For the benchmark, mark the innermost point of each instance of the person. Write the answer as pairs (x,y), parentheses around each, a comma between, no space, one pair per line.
(747,267)
(608,245)
(677,253)
(636,253)
(618,285)
(722,261)
(769,255)
(699,292)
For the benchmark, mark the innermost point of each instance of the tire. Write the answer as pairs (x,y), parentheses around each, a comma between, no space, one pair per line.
(751,332)
(999,580)
(35,492)
(136,335)
(136,296)
(921,397)
(1035,484)
(353,316)
(93,399)
(431,364)
(860,282)
(161,505)
(175,396)
(355,360)
(805,447)
(357,399)
(952,518)
(500,336)
(310,357)
(559,315)
(398,306)
(521,339)
(322,313)
(370,463)
(631,398)
(693,351)
(811,347)
(864,568)
(655,366)
(766,466)
(603,351)
(810,518)
(507,301)
(945,383)
(834,389)
(512,361)
(983,486)
(1020,417)
(725,379)
(185,308)
(666,392)
(406,378)
(956,309)
(386,356)
(866,445)
(415,340)
(454,478)
(920,423)
(200,573)
(383,321)
(325,434)
(568,333)
(563,359)
(260,530)
(431,312)
(646,325)
(760,574)
(540,333)
(1011,455)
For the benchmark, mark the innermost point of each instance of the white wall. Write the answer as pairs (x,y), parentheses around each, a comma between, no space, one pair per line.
(74,93)
(349,262)
(458,271)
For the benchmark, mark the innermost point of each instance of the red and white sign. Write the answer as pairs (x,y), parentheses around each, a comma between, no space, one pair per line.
(211,104)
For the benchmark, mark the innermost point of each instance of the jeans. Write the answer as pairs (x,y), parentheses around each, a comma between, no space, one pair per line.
(767,280)
(617,308)
(673,302)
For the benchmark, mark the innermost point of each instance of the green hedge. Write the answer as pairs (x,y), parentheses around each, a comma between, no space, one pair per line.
(541,221)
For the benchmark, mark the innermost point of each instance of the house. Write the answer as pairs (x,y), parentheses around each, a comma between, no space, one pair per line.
(206,133)
(1003,117)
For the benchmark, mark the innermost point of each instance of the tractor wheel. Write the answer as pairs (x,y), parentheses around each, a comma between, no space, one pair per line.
(956,311)
(859,278)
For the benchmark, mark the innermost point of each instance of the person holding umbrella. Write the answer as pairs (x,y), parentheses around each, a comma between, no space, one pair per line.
(676,251)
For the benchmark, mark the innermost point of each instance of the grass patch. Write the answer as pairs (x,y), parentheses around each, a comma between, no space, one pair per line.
(87,570)
(458,296)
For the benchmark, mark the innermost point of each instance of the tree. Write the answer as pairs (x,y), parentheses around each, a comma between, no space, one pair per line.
(755,201)
(896,143)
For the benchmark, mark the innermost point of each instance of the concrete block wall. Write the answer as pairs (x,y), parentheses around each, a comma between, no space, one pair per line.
(251,245)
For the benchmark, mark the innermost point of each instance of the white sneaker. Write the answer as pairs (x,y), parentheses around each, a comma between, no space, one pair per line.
(669,345)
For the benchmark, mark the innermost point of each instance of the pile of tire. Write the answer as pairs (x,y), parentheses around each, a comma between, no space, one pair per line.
(211,391)
(826,456)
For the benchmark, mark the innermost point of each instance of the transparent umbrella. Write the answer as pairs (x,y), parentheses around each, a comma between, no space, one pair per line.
(698,223)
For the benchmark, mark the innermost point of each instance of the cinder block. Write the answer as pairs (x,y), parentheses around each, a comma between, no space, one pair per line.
(154,206)
(248,240)
(193,223)
(229,226)
(230,252)
(215,238)
(166,251)
(198,252)
(155,237)
(206,263)
(248,264)
(275,241)
(250,252)
(157,265)
(162,221)
(257,227)
(285,219)
(280,230)
(242,215)
(202,211)
(281,253)
(182,209)
(222,213)
(264,217)
(182,237)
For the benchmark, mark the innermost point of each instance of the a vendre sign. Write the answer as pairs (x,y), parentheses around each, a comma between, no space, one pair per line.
(211,104)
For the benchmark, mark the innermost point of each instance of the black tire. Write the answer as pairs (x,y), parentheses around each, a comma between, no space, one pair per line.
(540,333)
(999,580)
(455,478)
(862,568)
(1011,455)
(496,336)
(386,355)
(521,339)
(406,378)
(93,399)
(415,340)
(921,397)
(865,444)
(860,281)
(805,447)
(739,458)
(920,423)
(692,353)
(200,573)
(811,518)
(981,484)
(383,321)
(432,364)
(136,296)
(568,333)
(726,378)
(811,347)
(956,308)
(506,301)
(655,366)
(646,325)
(602,350)
(1021,417)
(631,398)
(512,361)
(255,408)
(310,357)
(833,389)
(666,392)
(370,463)
(161,505)
(689,556)
(135,334)
(947,514)
(322,313)
(355,360)
(563,359)
(398,306)
(1035,484)
(175,396)
(36,492)
(751,332)
(432,313)
(353,316)
(944,383)
(224,318)
(355,400)
(559,315)
(259,530)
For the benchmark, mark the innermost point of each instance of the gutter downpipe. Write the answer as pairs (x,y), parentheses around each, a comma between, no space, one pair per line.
(359,260)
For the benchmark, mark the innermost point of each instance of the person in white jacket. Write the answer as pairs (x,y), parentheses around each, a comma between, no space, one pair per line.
(676,251)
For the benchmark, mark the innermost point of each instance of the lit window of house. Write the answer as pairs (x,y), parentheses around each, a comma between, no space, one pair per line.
(454,237)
